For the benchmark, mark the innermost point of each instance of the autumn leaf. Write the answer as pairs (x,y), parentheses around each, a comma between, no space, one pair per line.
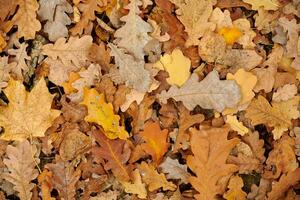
(279,115)
(230,35)
(28,114)
(115,152)
(21,163)
(175,170)
(266,4)
(102,113)
(210,93)
(209,162)
(236,125)
(153,179)
(155,140)
(177,65)
(137,187)
(235,189)
(44,180)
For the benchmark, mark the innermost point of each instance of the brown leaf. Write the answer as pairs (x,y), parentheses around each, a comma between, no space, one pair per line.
(64,178)
(99,54)
(209,162)
(115,152)
(45,183)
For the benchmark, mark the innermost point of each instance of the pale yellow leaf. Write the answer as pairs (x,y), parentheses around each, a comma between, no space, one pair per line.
(266,4)
(137,187)
(236,125)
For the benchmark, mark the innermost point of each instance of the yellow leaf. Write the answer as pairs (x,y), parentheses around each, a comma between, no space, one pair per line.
(28,114)
(279,115)
(235,191)
(236,125)
(138,187)
(68,88)
(266,4)
(2,43)
(230,35)
(102,113)
(177,65)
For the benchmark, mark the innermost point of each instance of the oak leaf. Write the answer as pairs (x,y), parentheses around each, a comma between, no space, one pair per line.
(209,162)
(196,24)
(266,4)
(4,72)
(44,180)
(279,115)
(115,152)
(236,125)
(153,179)
(132,71)
(155,140)
(64,178)
(27,114)
(133,36)
(21,164)
(74,52)
(174,170)
(210,93)
(102,113)
(285,93)
(235,189)
(177,65)
(137,187)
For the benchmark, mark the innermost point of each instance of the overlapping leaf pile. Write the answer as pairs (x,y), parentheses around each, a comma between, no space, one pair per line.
(149,99)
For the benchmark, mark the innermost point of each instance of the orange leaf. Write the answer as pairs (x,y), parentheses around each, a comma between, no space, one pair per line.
(155,138)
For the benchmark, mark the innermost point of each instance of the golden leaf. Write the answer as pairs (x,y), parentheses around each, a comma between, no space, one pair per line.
(235,191)
(27,114)
(230,35)
(177,65)
(137,187)
(102,113)
(236,125)
(267,4)
(209,161)
(279,115)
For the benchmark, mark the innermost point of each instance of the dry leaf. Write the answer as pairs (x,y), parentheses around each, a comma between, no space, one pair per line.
(64,178)
(210,93)
(115,152)
(175,170)
(279,115)
(209,162)
(44,180)
(196,24)
(177,65)
(236,125)
(21,163)
(131,71)
(259,192)
(265,78)
(26,108)
(137,187)
(153,179)
(74,52)
(155,140)
(285,93)
(133,36)
(102,113)
(235,189)
(266,4)
(4,72)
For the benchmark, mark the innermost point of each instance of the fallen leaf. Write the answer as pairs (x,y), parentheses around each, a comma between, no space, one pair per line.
(153,179)
(285,93)
(266,4)
(235,189)
(265,78)
(21,162)
(115,152)
(44,180)
(236,125)
(209,162)
(26,108)
(175,170)
(177,65)
(102,113)
(210,93)
(230,35)
(279,115)
(137,187)
(155,140)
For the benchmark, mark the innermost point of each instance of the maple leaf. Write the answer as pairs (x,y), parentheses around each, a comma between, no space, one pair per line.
(177,65)
(131,71)
(155,140)
(266,4)
(74,52)
(235,189)
(153,179)
(175,170)
(279,115)
(115,152)
(137,187)
(55,12)
(209,162)
(194,16)
(102,113)
(27,114)
(133,36)
(64,178)
(21,168)
(25,19)
(210,93)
